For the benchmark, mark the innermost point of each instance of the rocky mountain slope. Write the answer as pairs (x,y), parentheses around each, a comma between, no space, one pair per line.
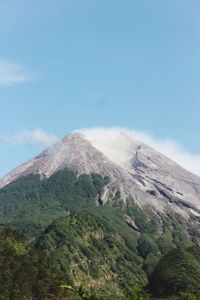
(137,171)
(103,214)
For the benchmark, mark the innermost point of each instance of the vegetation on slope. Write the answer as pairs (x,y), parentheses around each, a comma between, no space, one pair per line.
(93,251)
(30,204)
(26,274)
(107,257)
(113,246)
(177,272)
(84,250)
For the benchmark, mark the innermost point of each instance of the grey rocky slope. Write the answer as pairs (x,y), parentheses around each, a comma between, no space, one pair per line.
(150,178)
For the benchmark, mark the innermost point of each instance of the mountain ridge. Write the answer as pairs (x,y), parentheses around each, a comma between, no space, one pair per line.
(102,225)
(150,178)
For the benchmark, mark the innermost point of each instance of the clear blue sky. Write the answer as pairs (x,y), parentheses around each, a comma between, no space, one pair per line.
(87,63)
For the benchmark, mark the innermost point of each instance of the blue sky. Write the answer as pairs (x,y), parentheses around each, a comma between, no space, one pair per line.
(70,64)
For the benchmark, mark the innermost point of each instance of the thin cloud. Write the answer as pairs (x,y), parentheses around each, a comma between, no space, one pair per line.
(37,136)
(112,143)
(104,138)
(13,73)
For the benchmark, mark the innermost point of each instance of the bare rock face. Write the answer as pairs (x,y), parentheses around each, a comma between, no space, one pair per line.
(135,170)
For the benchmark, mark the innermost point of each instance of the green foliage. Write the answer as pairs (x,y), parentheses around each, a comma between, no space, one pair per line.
(150,262)
(180,238)
(177,272)
(165,244)
(90,247)
(25,274)
(99,182)
(139,216)
(184,296)
(146,246)
(145,221)
(136,294)
(30,204)
(81,238)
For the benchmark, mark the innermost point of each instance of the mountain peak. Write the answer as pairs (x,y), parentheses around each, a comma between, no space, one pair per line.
(135,170)
(74,152)
(73,136)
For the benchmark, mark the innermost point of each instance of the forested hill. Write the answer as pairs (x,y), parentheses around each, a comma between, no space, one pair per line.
(109,250)
(30,204)
(177,273)
(71,262)
(26,273)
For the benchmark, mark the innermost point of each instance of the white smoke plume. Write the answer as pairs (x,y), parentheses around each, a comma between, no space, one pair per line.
(115,144)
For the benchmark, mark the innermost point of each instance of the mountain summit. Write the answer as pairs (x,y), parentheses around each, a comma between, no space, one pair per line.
(135,170)
(103,210)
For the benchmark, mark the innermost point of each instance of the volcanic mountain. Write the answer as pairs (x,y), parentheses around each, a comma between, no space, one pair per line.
(103,213)
(134,169)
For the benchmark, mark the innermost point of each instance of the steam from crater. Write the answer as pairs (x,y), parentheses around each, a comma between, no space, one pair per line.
(118,144)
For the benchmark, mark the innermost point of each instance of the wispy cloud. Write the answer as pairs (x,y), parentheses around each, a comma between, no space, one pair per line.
(13,73)
(111,142)
(37,136)
(108,140)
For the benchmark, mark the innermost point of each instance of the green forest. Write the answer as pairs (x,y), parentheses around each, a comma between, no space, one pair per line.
(58,242)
